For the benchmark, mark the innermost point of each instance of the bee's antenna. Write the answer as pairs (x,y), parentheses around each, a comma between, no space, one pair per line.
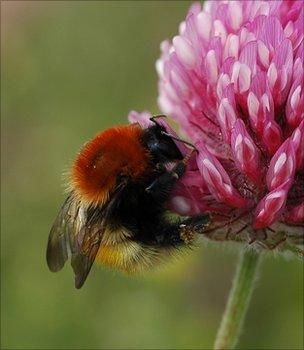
(157,117)
(180,140)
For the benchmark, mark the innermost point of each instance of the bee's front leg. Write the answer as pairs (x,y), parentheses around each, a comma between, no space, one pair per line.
(161,187)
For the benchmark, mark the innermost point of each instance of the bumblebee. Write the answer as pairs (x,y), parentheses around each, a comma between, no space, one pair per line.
(115,212)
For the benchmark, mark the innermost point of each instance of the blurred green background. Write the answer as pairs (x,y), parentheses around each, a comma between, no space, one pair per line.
(70,69)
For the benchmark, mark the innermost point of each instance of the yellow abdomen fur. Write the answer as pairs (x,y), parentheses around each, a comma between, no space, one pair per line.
(127,255)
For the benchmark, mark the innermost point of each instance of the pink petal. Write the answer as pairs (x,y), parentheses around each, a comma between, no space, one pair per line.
(232,46)
(248,55)
(181,205)
(271,33)
(187,196)
(217,180)
(282,166)
(295,215)
(270,208)
(272,75)
(272,136)
(184,51)
(226,118)
(295,101)
(253,105)
(245,152)
(142,118)
(235,14)
(220,30)
(263,54)
(241,77)
(298,144)
(211,66)
(222,84)
(203,25)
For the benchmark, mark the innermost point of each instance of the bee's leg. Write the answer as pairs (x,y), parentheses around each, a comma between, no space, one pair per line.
(193,226)
(163,185)
(182,232)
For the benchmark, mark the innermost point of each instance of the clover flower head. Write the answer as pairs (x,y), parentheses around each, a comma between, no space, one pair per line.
(233,80)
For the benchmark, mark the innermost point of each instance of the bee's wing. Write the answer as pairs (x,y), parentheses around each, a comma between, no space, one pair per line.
(77,235)
(83,259)
(90,237)
(72,236)
(61,242)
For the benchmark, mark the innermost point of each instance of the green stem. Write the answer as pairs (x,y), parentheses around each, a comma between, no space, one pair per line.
(238,301)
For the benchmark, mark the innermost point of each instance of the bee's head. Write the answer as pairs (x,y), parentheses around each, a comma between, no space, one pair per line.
(161,145)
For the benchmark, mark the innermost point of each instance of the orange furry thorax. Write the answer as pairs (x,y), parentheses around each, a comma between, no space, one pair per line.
(113,152)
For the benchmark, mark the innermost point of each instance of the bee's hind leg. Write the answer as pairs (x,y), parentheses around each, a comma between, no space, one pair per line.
(183,231)
(192,226)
